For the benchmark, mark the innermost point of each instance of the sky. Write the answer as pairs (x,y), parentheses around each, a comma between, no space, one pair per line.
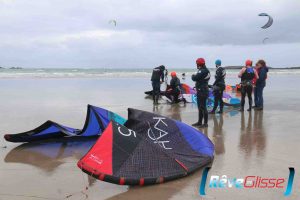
(77,33)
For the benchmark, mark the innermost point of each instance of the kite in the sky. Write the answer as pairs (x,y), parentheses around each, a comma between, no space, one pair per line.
(113,22)
(265,39)
(270,20)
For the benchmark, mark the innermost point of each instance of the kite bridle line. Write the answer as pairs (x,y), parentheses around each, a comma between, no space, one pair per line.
(85,186)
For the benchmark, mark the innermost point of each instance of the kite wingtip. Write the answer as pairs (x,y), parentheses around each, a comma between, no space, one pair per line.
(7,137)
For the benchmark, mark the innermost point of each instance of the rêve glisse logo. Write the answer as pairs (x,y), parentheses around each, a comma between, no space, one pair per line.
(249,182)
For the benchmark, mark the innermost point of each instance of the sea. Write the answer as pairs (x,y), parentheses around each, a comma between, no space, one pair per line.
(107,72)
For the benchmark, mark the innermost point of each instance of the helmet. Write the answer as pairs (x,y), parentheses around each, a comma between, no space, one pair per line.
(218,62)
(162,67)
(248,63)
(200,61)
(173,74)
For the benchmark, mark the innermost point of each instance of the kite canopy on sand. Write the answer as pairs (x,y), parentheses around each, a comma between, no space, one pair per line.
(149,149)
(96,121)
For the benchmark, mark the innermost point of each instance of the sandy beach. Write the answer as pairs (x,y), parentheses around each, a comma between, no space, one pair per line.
(264,143)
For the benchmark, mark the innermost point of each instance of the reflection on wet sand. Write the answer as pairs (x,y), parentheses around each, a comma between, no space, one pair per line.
(49,155)
(172,111)
(218,136)
(252,135)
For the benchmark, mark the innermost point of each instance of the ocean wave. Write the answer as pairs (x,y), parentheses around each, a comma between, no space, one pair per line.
(111,73)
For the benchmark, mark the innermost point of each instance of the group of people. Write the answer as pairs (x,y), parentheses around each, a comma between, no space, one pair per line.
(252,78)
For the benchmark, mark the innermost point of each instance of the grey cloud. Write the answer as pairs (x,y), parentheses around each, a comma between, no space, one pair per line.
(174,32)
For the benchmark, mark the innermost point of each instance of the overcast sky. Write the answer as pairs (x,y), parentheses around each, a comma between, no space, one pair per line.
(77,33)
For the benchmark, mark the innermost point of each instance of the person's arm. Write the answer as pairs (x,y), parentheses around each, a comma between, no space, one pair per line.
(241,72)
(219,76)
(178,83)
(199,75)
(162,76)
(262,76)
(256,74)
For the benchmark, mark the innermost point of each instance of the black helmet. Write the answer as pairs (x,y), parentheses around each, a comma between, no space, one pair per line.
(162,67)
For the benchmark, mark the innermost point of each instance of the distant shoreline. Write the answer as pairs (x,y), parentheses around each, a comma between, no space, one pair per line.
(240,67)
(110,68)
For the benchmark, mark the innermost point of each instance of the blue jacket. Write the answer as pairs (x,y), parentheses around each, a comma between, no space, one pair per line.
(262,74)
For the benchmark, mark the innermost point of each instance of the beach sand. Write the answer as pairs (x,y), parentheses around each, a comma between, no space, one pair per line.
(259,143)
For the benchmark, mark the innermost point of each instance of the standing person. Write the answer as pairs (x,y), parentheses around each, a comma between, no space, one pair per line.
(260,83)
(157,78)
(247,74)
(201,78)
(219,87)
(174,89)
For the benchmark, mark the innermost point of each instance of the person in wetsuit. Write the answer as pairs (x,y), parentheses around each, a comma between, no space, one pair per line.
(201,78)
(219,87)
(247,74)
(174,89)
(157,78)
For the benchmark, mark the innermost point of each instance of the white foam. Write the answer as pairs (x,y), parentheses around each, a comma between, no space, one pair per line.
(111,73)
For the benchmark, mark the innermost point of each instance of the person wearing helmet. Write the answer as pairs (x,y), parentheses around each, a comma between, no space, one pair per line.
(247,74)
(201,78)
(219,87)
(173,90)
(157,78)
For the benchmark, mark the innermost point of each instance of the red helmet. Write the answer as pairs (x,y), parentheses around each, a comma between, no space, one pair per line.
(248,63)
(200,61)
(173,74)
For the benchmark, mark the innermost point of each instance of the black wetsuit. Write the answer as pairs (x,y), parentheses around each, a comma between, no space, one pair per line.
(247,86)
(157,75)
(218,88)
(175,89)
(201,78)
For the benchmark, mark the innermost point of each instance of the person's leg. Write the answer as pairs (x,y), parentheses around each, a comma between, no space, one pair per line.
(256,99)
(200,106)
(249,94)
(221,102)
(216,101)
(153,91)
(200,114)
(262,97)
(176,96)
(205,112)
(243,93)
(156,91)
(168,95)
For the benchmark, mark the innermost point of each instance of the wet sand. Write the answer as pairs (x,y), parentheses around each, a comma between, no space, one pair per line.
(258,143)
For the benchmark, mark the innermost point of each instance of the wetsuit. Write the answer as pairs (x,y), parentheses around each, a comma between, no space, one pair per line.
(201,78)
(218,88)
(157,75)
(175,89)
(247,87)
(259,88)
